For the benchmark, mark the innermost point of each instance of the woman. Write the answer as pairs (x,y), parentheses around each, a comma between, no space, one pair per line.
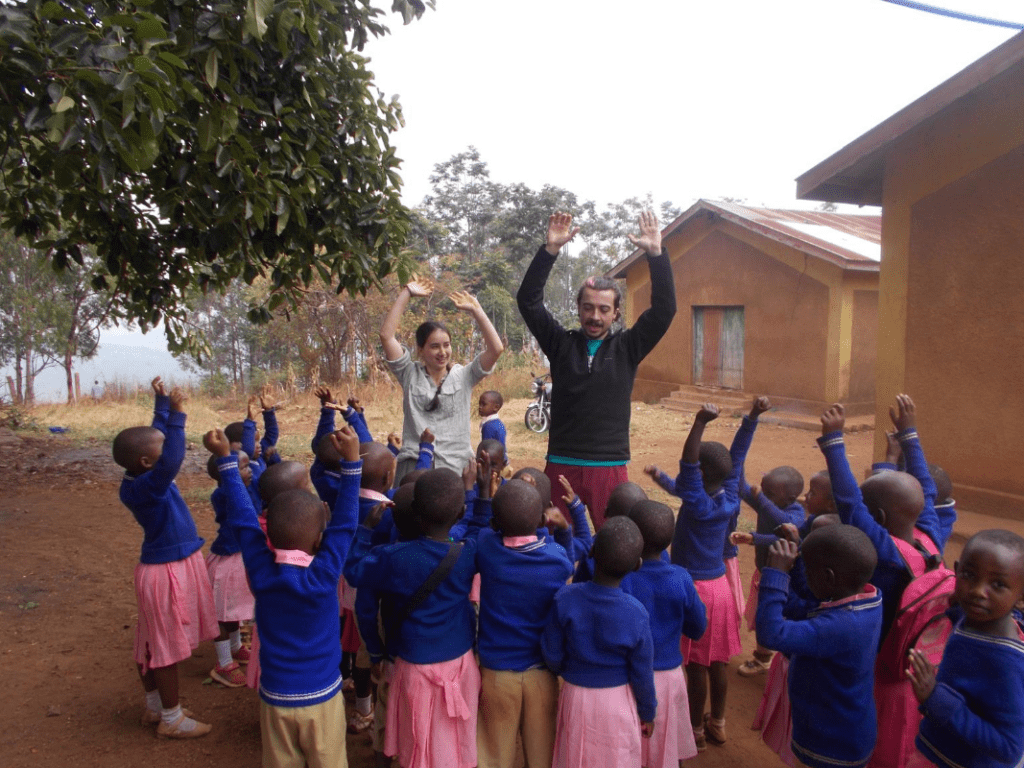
(436,393)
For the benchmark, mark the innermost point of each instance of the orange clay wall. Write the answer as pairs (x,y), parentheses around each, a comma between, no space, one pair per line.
(785,318)
(864,342)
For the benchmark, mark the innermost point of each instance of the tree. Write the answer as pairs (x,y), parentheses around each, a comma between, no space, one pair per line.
(194,143)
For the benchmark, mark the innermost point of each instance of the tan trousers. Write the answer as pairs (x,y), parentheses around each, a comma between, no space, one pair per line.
(514,701)
(295,737)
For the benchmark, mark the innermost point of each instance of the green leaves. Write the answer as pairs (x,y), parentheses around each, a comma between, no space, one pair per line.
(256,12)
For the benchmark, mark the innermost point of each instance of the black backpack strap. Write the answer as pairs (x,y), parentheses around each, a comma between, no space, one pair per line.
(931,562)
(433,581)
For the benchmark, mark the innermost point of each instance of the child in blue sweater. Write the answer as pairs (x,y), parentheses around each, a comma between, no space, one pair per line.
(708,484)
(598,639)
(231,595)
(671,600)
(244,436)
(296,588)
(520,573)
(172,587)
(832,651)
(974,706)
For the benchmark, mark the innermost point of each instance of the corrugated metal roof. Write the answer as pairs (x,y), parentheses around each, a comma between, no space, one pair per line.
(850,241)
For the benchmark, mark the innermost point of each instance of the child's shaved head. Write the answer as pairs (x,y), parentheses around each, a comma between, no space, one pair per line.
(412,476)
(494,450)
(378,466)
(438,498)
(281,477)
(843,551)
(518,509)
(623,498)
(895,498)
(656,523)
(943,485)
(327,454)
(296,520)
(541,481)
(133,445)
(715,463)
(617,547)
(782,485)
(233,431)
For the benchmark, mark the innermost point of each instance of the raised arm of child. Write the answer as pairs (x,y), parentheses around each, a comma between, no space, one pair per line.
(249,427)
(582,538)
(741,444)
(271,432)
(241,514)
(425,460)
(341,527)
(689,483)
(161,405)
(904,418)
(160,476)
(665,482)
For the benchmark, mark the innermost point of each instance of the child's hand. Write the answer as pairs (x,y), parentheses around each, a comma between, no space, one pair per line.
(266,401)
(647,729)
(740,537)
(216,443)
(353,403)
(652,471)
(781,555)
(395,440)
(788,532)
(569,494)
(178,398)
(760,405)
(427,436)
(904,414)
(251,410)
(376,514)
(922,675)
(893,451)
(323,394)
(554,519)
(754,491)
(469,475)
(269,453)
(158,387)
(495,482)
(708,412)
(483,476)
(833,419)
(346,443)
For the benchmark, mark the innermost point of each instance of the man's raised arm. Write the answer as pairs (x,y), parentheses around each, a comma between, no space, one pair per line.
(652,324)
(530,297)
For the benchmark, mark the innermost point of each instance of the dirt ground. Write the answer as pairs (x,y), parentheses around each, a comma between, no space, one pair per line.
(71,696)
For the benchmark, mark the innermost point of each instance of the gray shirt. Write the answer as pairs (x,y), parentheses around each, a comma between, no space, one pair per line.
(449,421)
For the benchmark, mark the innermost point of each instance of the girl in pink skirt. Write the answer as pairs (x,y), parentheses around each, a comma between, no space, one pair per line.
(172,588)
(599,640)
(232,599)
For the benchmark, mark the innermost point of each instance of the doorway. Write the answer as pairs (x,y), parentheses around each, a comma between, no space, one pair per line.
(718,347)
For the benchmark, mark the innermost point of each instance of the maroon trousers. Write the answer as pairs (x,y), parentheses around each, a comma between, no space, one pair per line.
(592,484)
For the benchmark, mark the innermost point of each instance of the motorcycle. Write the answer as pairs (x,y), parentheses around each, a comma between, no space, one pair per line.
(538,413)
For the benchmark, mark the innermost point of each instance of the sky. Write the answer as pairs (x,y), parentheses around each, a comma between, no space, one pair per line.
(610,100)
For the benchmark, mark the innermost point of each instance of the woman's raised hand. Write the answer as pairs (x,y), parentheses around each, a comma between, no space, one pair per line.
(422,286)
(464,301)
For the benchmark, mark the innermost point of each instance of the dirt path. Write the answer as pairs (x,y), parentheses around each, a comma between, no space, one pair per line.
(67,608)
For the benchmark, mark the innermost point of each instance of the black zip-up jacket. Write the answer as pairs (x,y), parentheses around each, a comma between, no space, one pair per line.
(590,408)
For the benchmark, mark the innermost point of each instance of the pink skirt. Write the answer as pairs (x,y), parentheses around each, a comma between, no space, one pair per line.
(350,639)
(774,715)
(176,611)
(672,740)
(474,591)
(252,671)
(732,573)
(231,596)
(432,711)
(722,638)
(597,728)
(755,588)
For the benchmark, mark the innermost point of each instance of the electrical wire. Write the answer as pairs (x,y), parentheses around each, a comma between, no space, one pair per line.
(955,14)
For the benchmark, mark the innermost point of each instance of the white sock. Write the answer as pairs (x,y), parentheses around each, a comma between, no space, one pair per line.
(153,701)
(236,640)
(364,706)
(171,716)
(223,652)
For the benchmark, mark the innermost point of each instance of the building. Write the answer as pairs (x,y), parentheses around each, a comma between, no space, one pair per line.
(948,171)
(771,302)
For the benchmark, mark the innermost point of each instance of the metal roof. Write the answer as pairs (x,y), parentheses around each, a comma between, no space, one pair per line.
(854,174)
(850,241)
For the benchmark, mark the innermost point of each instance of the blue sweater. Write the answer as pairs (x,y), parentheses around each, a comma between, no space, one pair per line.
(225,544)
(517,590)
(326,425)
(259,465)
(702,526)
(296,607)
(169,532)
(600,637)
(730,550)
(975,716)
(831,672)
(493,430)
(675,609)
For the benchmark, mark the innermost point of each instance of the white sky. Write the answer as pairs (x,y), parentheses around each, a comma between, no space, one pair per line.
(678,98)
(612,100)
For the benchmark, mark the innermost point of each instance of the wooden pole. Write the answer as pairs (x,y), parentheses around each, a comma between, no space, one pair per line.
(78,388)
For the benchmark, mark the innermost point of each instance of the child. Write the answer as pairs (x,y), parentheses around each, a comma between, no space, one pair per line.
(246,437)
(621,500)
(435,689)
(172,587)
(231,596)
(520,574)
(598,639)
(832,651)
(491,427)
(708,484)
(296,588)
(668,594)
(974,707)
